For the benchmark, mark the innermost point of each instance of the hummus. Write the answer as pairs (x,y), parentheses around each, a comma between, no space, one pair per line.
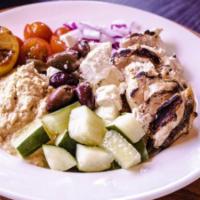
(22,99)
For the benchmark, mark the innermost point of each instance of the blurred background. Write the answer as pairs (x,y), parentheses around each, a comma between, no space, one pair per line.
(185,12)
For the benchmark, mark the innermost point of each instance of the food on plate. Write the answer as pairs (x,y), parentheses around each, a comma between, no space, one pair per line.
(56,44)
(89,98)
(35,48)
(37,29)
(93,158)
(30,138)
(58,158)
(9,50)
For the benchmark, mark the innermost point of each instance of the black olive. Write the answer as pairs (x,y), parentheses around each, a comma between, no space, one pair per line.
(63,78)
(82,47)
(64,61)
(60,97)
(85,95)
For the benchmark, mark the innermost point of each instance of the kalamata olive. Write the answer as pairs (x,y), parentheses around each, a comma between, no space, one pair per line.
(63,78)
(65,60)
(82,47)
(59,98)
(39,65)
(85,95)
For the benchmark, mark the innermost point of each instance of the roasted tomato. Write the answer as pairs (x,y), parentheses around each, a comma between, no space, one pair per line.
(9,51)
(37,29)
(19,41)
(35,48)
(61,31)
(56,44)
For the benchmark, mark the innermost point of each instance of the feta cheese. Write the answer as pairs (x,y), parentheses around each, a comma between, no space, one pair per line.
(114,77)
(96,67)
(108,101)
(71,38)
(107,113)
(108,95)
(92,34)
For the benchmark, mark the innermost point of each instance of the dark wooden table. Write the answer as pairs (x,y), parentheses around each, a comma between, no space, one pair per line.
(185,12)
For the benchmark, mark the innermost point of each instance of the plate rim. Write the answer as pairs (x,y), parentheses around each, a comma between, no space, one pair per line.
(155,193)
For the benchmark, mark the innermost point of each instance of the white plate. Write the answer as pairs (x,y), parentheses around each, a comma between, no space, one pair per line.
(172,169)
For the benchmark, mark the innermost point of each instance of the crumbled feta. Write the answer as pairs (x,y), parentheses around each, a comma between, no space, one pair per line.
(71,38)
(108,95)
(96,67)
(107,113)
(92,34)
(109,102)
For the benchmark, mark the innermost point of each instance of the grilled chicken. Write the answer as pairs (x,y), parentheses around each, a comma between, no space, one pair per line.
(156,91)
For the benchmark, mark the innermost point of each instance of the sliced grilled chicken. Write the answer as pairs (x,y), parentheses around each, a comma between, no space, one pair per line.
(150,38)
(156,90)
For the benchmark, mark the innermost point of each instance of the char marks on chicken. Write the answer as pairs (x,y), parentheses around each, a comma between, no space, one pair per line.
(156,90)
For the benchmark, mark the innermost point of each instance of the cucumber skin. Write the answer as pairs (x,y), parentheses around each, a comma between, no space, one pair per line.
(50,163)
(40,137)
(67,111)
(117,163)
(68,143)
(113,127)
(140,146)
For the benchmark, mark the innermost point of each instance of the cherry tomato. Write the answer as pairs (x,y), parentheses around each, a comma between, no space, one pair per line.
(37,29)
(61,31)
(19,41)
(56,44)
(36,48)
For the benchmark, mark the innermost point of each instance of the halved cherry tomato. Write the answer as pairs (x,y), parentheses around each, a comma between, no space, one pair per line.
(37,29)
(19,41)
(56,44)
(36,48)
(61,31)
(9,51)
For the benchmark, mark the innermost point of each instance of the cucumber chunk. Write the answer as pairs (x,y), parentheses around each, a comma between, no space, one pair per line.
(58,158)
(128,126)
(93,159)
(64,141)
(86,127)
(123,152)
(57,122)
(141,148)
(30,138)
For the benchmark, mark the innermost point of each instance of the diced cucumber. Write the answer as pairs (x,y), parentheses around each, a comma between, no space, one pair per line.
(86,127)
(30,138)
(93,159)
(141,148)
(58,158)
(57,122)
(128,126)
(123,152)
(64,141)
